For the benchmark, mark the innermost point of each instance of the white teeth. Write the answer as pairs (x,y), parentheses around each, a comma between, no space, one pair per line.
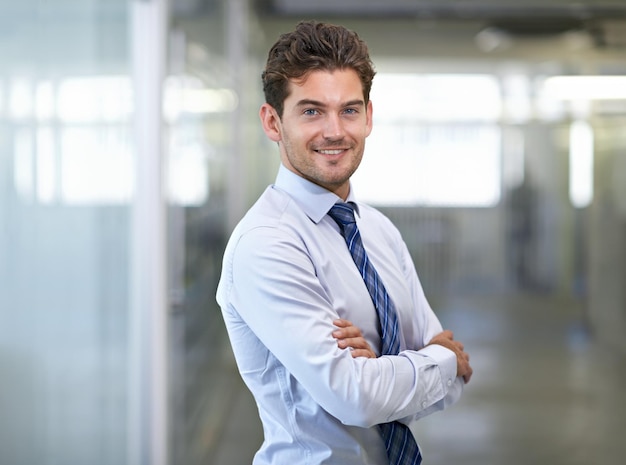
(331,152)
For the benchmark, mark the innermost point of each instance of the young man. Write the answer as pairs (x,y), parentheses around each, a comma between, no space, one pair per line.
(341,357)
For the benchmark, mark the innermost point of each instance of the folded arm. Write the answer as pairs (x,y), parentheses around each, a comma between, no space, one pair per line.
(292,314)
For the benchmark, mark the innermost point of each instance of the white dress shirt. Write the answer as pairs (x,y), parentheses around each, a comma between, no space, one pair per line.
(287,274)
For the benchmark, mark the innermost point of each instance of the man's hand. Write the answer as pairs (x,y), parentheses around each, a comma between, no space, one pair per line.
(349,337)
(446,339)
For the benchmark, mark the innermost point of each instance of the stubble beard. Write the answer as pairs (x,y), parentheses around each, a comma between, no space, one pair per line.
(331,174)
(313,166)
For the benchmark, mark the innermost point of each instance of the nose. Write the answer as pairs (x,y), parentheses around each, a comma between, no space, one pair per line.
(333,127)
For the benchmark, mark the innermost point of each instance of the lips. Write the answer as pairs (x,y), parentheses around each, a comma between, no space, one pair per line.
(330,152)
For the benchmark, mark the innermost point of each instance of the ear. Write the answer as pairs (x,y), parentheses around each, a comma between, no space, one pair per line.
(369,113)
(270,122)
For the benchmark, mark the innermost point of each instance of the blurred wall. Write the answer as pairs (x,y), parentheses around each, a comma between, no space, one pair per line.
(606,227)
(64,232)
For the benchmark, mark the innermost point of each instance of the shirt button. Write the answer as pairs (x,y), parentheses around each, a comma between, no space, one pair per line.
(424,404)
(449,382)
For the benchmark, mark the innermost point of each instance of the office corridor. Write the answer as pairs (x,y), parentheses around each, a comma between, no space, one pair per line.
(542,393)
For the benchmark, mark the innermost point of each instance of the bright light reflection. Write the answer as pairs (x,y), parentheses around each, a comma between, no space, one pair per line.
(435,142)
(208,100)
(586,87)
(24,164)
(445,166)
(44,100)
(85,160)
(20,98)
(517,105)
(96,167)
(95,99)
(187,94)
(436,97)
(188,181)
(581,164)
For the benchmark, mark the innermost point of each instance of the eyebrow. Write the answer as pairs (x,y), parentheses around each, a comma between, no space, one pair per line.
(315,103)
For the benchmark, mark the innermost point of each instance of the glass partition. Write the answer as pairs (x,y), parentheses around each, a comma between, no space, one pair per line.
(66,182)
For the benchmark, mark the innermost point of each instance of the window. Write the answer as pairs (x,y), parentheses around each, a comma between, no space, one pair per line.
(435,142)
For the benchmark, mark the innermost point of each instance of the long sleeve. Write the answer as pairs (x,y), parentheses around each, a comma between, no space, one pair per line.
(282,296)
(287,275)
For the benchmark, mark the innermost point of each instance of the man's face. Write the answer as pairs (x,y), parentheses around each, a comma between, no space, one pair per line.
(323,129)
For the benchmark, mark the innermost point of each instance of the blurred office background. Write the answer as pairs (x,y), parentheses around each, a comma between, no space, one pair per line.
(130,146)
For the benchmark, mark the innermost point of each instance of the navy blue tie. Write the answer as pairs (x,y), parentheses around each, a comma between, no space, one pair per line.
(399,442)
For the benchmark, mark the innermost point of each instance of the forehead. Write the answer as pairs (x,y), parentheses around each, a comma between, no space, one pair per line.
(326,85)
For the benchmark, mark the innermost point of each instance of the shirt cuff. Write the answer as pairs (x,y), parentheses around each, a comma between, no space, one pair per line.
(445,359)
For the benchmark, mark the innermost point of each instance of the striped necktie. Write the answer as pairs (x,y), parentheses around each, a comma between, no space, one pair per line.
(399,442)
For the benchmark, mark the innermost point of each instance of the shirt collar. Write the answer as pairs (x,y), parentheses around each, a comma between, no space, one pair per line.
(314,200)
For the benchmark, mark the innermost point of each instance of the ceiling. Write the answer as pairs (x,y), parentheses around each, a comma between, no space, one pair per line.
(603,20)
(439,9)
(448,9)
(513,17)
(584,32)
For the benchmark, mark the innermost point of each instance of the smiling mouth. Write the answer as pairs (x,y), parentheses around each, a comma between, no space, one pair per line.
(330,152)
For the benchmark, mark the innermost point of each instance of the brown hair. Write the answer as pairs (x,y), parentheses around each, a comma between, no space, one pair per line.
(314,46)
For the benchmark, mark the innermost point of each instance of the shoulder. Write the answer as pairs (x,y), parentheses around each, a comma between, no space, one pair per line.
(258,244)
(269,210)
(273,219)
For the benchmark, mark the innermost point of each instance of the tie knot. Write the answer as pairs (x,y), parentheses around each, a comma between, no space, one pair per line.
(342,213)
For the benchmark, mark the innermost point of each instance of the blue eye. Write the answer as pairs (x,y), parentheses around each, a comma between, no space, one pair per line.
(310,111)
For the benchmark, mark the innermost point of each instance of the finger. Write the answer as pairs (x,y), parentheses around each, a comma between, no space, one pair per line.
(466,371)
(344,328)
(353,342)
(347,333)
(444,335)
(363,353)
(351,331)
(467,376)
(340,322)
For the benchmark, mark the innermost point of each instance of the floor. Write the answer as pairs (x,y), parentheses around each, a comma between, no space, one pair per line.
(543,391)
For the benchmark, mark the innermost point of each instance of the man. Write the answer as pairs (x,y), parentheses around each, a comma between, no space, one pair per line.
(309,334)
